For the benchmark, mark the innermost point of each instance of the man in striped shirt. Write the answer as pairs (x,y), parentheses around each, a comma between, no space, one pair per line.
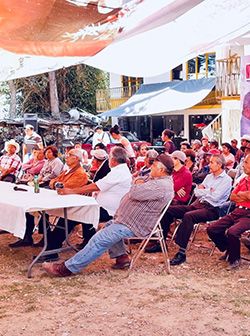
(136,216)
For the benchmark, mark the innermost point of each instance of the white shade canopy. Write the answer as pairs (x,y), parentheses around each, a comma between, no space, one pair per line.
(160,98)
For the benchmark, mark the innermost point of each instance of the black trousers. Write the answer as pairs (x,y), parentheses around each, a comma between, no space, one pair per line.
(226,232)
(190,214)
(57,236)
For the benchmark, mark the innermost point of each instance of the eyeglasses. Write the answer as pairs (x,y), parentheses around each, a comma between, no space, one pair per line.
(69,155)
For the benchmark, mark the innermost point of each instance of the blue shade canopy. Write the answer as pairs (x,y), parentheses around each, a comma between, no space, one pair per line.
(164,97)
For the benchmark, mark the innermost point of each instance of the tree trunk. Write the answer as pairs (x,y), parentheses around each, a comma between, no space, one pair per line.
(54,104)
(12,110)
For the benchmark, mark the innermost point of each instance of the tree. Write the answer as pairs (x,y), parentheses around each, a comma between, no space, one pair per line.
(54,103)
(76,87)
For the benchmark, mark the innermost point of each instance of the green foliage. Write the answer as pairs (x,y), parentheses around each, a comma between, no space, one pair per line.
(76,87)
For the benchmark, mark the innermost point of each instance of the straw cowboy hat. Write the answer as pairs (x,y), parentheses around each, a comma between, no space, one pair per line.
(13,143)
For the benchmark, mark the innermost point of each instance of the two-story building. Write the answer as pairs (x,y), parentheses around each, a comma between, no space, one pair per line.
(216,114)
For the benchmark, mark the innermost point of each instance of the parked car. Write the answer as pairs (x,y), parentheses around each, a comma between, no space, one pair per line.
(135,142)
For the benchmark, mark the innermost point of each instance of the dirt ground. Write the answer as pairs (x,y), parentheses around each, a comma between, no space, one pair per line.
(198,298)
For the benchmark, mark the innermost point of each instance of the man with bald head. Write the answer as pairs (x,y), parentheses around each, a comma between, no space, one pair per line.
(226,232)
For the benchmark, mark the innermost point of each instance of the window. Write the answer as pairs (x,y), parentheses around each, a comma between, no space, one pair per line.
(131,85)
(201,66)
(177,73)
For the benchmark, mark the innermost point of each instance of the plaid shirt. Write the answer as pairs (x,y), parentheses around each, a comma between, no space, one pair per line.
(141,206)
(13,161)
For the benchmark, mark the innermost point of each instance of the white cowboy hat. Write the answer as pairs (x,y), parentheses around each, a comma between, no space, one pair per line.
(13,143)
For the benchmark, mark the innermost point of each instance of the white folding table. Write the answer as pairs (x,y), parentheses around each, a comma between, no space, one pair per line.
(15,203)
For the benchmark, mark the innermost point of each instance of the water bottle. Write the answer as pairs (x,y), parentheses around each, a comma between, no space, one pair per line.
(36,185)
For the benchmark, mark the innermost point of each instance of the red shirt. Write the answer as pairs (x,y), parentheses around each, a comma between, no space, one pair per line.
(244,185)
(182,179)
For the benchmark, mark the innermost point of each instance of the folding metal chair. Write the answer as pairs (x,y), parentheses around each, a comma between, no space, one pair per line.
(231,207)
(155,234)
(177,220)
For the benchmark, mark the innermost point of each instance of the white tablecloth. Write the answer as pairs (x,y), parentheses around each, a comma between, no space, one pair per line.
(14,205)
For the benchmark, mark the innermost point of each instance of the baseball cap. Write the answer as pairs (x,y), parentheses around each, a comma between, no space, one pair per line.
(29,126)
(196,142)
(99,154)
(246,137)
(98,127)
(167,161)
(204,137)
(179,155)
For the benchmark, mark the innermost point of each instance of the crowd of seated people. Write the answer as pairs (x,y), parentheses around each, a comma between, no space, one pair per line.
(202,168)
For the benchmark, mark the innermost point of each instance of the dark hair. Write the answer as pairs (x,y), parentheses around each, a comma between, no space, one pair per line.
(215,143)
(142,144)
(53,149)
(114,129)
(119,145)
(101,146)
(186,143)
(167,132)
(229,147)
(191,154)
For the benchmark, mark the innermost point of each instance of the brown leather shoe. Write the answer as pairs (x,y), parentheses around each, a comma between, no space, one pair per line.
(122,262)
(55,269)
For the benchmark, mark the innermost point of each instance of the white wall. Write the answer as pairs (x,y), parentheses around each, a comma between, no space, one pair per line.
(157,79)
(114,80)
(231,115)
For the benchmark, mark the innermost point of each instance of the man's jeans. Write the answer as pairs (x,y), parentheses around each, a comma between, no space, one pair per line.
(110,238)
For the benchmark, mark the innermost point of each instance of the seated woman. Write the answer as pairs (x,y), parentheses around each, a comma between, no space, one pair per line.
(190,162)
(52,166)
(33,166)
(228,156)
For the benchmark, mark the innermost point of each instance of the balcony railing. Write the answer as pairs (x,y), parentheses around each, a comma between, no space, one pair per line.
(112,98)
(228,77)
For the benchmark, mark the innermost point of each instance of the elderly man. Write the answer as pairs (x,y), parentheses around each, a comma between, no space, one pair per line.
(211,194)
(74,176)
(10,162)
(136,216)
(226,232)
(110,189)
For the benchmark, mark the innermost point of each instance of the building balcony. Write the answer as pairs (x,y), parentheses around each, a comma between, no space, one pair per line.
(112,98)
(228,78)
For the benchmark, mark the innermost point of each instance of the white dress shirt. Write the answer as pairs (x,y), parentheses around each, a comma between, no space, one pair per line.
(113,187)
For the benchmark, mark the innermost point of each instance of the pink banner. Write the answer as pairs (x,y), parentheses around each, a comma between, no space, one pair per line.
(245,95)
